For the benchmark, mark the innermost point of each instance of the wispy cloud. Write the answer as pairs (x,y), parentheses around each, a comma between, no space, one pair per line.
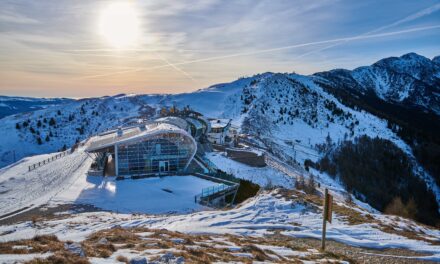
(187,45)
(412,17)
(16,18)
(277,49)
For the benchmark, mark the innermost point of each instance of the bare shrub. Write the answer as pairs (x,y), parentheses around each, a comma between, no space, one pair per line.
(308,186)
(397,207)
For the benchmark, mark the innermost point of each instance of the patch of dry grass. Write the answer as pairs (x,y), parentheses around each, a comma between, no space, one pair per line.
(39,244)
(42,244)
(60,258)
(194,248)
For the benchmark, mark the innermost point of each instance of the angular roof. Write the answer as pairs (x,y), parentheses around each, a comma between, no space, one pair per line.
(219,123)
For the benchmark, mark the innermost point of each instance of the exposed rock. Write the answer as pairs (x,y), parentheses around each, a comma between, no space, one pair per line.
(138,260)
(169,258)
(103,241)
(75,248)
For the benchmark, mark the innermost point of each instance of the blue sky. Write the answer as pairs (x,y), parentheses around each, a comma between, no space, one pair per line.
(55,48)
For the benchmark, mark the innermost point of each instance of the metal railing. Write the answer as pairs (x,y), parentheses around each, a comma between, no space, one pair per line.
(208,191)
(224,188)
(209,164)
(47,161)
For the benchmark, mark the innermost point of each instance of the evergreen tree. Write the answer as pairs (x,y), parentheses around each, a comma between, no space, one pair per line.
(381,174)
(52,122)
(17,126)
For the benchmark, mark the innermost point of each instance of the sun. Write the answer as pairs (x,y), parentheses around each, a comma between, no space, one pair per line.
(119,25)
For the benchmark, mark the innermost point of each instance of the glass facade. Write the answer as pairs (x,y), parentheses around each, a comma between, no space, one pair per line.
(165,152)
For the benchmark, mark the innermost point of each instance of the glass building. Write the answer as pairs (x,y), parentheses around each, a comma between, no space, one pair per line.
(148,149)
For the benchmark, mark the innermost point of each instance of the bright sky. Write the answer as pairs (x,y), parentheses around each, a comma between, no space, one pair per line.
(89,48)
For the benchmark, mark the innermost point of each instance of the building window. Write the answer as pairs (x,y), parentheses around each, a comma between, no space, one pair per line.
(143,157)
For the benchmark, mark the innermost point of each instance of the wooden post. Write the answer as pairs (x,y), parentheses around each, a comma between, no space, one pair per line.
(324,219)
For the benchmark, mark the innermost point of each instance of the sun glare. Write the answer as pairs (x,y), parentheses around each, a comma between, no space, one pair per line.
(119,25)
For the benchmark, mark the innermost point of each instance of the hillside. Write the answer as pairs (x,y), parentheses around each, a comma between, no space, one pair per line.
(402,90)
(50,129)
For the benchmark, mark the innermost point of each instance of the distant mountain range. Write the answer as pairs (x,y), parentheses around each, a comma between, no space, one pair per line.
(13,105)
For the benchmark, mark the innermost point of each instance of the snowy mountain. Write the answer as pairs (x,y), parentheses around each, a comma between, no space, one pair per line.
(14,105)
(410,81)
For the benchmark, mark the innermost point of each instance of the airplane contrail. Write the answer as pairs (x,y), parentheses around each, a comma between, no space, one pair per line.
(175,67)
(359,37)
(419,14)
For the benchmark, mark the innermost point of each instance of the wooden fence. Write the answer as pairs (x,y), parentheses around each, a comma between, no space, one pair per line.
(47,161)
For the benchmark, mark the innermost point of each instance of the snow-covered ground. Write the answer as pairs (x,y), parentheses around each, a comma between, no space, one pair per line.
(158,195)
(257,217)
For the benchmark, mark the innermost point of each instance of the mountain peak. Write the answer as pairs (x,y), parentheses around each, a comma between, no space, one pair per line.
(401,63)
(413,56)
